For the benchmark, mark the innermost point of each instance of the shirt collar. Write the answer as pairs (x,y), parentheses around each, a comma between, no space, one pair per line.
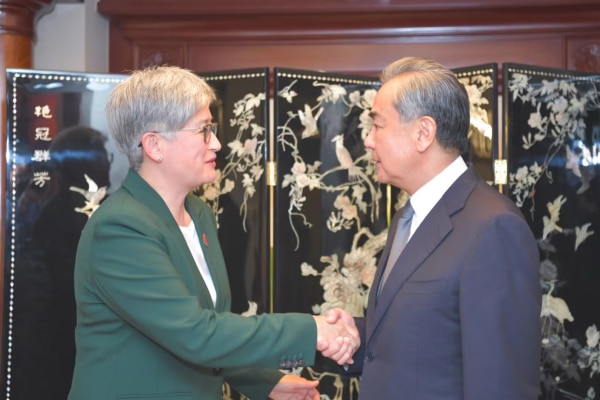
(424,199)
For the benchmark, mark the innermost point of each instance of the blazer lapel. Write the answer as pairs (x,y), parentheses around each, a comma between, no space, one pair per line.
(209,242)
(145,194)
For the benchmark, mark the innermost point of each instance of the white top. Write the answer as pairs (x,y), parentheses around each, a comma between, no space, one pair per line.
(193,242)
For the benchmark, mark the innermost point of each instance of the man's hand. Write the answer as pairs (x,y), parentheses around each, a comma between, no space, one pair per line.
(293,387)
(337,336)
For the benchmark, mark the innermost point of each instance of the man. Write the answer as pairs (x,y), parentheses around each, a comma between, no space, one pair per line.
(458,316)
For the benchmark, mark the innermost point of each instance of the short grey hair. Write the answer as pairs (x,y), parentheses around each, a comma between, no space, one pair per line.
(430,89)
(156,99)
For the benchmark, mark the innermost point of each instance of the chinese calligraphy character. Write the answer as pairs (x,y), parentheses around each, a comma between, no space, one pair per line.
(42,111)
(41,155)
(40,178)
(42,133)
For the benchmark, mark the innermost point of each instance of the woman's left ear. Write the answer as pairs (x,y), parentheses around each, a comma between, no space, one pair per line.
(427,129)
(151,146)
(148,140)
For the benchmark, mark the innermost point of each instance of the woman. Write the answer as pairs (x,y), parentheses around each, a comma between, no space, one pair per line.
(153,301)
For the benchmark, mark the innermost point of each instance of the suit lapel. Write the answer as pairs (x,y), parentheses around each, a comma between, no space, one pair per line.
(426,238)
(430,233)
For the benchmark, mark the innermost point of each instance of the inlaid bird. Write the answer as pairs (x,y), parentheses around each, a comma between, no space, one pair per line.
(309,121)
(344,158)
(555,307)
(93,196)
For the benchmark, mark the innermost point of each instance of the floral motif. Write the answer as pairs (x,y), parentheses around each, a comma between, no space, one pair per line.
(346,286)
(303,176)
(563,358)
(476,85)
(480,84)
(555,137)
(351,178)
(245,158)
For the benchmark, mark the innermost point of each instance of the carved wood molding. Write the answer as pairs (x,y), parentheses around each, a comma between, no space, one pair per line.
(178,8)
(344,26)
(18,17)
(156,55)
(584,54)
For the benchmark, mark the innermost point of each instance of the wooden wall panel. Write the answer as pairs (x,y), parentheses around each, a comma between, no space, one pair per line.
(357,36)
(369,59)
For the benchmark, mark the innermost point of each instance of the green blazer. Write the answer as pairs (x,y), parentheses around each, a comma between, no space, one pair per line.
(146,324)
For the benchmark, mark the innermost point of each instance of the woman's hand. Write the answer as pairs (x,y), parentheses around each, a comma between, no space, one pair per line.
(293,387)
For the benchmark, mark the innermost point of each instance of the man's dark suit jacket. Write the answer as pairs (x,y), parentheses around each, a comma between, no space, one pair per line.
(458,317)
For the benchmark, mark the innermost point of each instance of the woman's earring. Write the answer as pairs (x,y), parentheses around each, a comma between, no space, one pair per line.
(160,158)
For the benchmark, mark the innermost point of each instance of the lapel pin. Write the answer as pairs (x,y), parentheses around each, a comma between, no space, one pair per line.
(205,239)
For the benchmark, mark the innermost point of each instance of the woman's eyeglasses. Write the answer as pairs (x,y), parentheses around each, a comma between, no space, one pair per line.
(205,130)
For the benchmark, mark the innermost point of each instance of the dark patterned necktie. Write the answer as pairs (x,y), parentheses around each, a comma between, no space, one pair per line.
(400,239)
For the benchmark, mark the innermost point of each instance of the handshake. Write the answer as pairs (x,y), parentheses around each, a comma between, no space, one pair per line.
(337,336)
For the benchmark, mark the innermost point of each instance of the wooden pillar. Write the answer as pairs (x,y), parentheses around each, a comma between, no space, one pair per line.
(17,35)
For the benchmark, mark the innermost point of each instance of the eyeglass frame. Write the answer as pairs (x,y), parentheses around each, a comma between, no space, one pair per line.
(207,130)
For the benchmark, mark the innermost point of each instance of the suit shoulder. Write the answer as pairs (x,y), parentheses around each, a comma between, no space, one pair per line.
(118,202)
(490,203)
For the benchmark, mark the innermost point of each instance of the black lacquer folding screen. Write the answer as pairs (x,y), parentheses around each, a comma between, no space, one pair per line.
(329,205)
(61,163)
(552,125)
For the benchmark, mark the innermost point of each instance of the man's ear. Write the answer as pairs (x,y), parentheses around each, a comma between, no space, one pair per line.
(426,132)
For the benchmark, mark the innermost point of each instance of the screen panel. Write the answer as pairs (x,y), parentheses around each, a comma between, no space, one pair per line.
(552,128)
(61,164)
(239,196)
(330,214)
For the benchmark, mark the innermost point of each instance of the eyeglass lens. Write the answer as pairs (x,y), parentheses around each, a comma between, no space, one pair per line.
(207,130)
